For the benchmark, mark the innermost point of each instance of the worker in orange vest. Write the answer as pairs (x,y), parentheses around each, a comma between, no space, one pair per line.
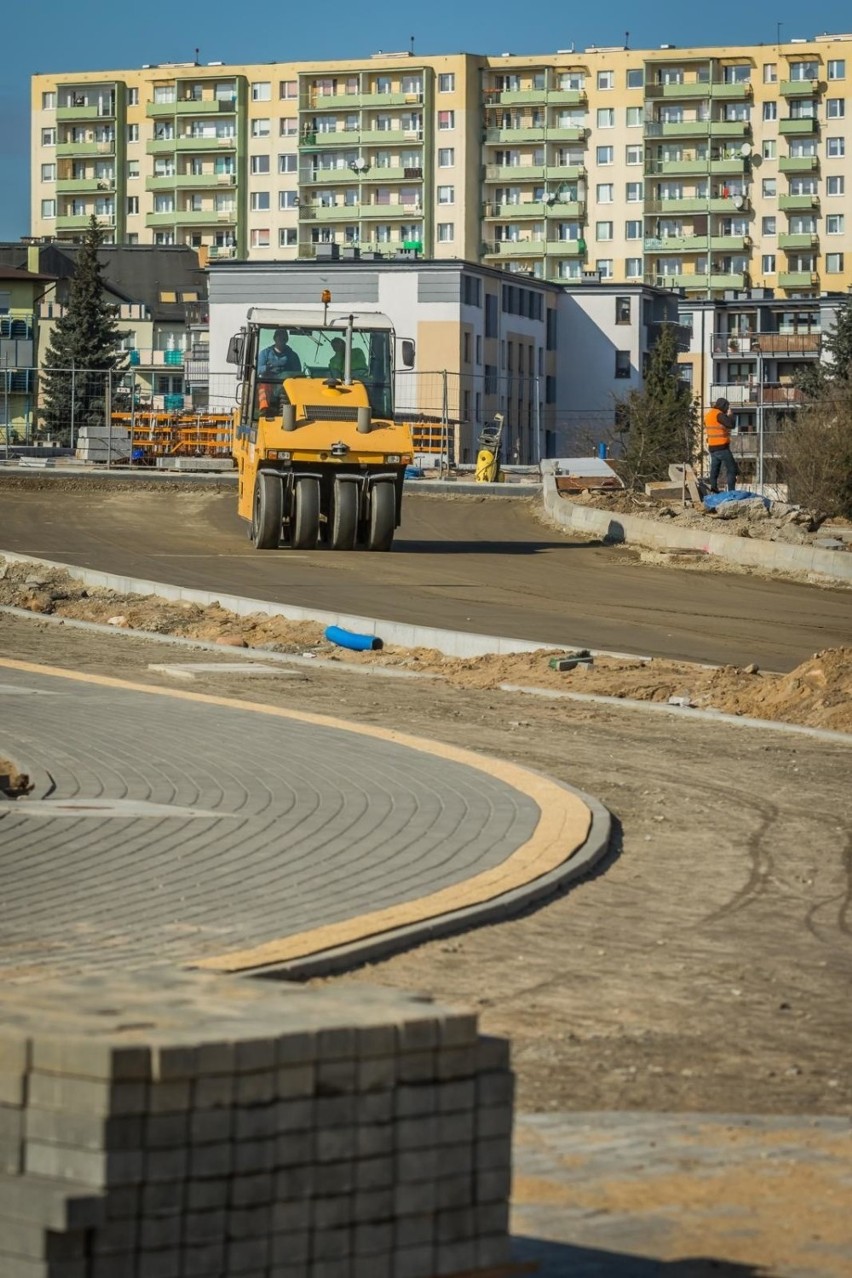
(718,424)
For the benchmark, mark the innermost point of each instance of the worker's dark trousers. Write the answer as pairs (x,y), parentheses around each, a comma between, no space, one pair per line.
(720,457)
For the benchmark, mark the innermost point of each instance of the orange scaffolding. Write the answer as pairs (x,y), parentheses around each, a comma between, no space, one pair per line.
(176,434)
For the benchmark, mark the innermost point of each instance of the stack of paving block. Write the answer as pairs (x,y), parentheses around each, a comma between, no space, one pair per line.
(180,1125)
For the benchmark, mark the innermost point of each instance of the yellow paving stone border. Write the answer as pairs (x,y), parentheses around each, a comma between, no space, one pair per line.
(564,824)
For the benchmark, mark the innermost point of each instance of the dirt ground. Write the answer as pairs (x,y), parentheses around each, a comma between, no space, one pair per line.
(704,967)
(818,693)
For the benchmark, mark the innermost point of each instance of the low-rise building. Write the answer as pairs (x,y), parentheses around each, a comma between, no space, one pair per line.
(553,360)
(20,293)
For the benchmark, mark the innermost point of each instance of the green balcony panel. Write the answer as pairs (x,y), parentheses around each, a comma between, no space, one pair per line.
(690,204)
(385,137)
(798,128)
(730,243)
(799,88)
(676,244)
(160,146)
(514,172)
(566,248)
(798,163)
(82,186)
(341,102)
(78,114)
(390,212)
(676,168)
(529,134)
(340,138)
(324,177)
(79,150)
(792,203)
(184,143)
(515,248)
(191,181)
(798,240)
(797,279)
(79,221)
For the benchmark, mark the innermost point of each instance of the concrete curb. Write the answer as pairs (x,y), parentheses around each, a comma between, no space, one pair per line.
(687,712)
(832,565)
(500,908)
(453,643)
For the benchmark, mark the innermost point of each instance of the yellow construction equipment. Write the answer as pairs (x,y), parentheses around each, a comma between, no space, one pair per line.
(319,453)
(488,452)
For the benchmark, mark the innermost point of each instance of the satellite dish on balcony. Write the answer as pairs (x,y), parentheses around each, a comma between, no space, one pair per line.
(738,201)
(359,165)
(745,150)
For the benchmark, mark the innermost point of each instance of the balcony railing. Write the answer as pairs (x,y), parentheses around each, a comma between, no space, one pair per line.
(753,394)
(774,345)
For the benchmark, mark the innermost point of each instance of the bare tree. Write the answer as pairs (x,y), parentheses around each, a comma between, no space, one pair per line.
(816,451)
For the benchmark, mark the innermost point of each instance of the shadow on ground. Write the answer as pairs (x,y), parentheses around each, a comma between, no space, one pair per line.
(561,1260)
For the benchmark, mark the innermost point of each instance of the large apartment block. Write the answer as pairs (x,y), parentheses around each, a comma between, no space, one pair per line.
(708,170)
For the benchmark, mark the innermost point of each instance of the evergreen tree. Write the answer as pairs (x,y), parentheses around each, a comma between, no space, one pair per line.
(658,422)
(816,378)
(85,340)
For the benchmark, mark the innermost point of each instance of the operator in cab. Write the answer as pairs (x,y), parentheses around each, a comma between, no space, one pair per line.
(274,363)
(337,363)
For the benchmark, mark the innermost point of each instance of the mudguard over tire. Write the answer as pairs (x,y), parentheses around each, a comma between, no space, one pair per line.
(268,511)
(305,519)
(344,515)
(382,521)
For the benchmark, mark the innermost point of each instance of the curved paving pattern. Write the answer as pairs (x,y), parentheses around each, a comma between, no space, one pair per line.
(176,827)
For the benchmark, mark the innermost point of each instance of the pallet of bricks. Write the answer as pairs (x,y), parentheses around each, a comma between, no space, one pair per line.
(186,1125)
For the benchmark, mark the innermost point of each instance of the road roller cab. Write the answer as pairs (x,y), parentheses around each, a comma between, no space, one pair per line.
(319,453)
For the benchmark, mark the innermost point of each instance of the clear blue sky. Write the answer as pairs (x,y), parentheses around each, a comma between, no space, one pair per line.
(45,36)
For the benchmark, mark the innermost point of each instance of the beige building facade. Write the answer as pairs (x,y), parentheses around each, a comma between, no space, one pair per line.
(708,170)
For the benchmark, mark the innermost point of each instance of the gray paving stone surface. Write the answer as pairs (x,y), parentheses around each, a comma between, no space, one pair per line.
(263,826)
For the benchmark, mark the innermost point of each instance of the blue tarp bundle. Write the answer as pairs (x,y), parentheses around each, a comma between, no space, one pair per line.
(712,500)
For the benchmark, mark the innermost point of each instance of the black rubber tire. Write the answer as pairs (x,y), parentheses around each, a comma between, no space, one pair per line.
(344,515)
(305,520)
(382,517)
(268,509)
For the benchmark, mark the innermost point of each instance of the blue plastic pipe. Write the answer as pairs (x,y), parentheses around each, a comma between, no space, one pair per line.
(346,639)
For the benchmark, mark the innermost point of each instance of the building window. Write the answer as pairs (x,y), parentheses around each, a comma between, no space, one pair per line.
(288,237)
(606,79)
(48,173)
(633,229)
(288,200)
(835,185)
(48,208)
(603,266)
(446,157)
(767,226)
(834,263)
(603,230)
(770,110)
(259,201)
(288,89)
(635,78)
(634,192)
(261,128)
(835,148)
(446,195)
(261,91)
(837,69)
(48,101)
(133,133)
(767,263)
(633,154)
(634,117)
(769,187)
(606,117)
(132,204)
(622,363)
(446,232)
(288,126)
(769,149)
(622,310)
(286,164)
(770,72)
(633,268)
(834,224)
(446,120)
(605,154)
(132,97)
(48,137)
(446,82)
(835,108)
(605,192)
(259,164)
(260,238)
